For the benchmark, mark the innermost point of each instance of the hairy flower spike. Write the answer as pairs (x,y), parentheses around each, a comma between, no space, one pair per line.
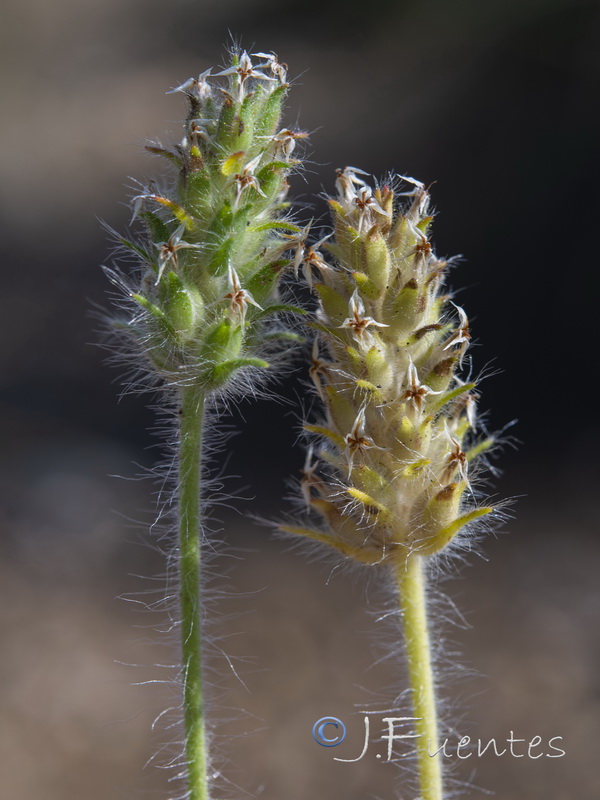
(210,262)
(395,409)
(392,481)
(213,235)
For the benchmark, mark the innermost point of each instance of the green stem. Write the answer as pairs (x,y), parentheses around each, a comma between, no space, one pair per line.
(190,453)
(411,589)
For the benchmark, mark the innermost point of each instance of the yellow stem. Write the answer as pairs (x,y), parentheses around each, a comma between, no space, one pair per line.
(411,590)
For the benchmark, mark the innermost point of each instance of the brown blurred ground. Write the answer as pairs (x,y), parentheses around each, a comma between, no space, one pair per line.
(492,100)
(73,725)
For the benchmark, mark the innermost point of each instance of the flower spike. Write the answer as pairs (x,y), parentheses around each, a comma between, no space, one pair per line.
(198,308)
(394,481)
(398,418)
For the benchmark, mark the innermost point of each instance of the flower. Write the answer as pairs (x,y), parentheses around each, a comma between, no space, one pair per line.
(398,420)
(359,323)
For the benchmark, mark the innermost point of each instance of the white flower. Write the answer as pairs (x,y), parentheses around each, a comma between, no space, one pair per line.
(317,369)
(285,140)
(420,204)
(238,297)
(358,323)
(167,251)
(244,70)
(246,178)
(461,335)
(366,203)
(314,258)
(309,476)
(278,68)
(199,87)
(356,441)
(417,391)
(455,460)
(346,179)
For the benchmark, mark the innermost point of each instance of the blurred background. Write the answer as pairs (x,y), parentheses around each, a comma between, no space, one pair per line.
(497,103)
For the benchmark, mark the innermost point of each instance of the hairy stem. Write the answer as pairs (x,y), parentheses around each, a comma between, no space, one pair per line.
(411,589)
(190,453)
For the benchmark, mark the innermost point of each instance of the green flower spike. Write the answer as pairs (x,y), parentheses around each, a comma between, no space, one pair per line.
(398,437)
(206,307)
(213,252)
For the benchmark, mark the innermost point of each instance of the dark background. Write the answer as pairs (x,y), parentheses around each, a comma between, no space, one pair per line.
(497,103)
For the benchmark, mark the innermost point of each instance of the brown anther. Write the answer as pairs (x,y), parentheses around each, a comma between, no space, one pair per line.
(456,460)
(358,322)
(227,98)
(285,140)
(168,250)
(444,368)
(318,369)
(421,332)
(244,73)
(417,391)
(461,335)
(245,180)
(356,441)
(238,297)
(196,131)
(315,259)
(423,248)
(416,396)
(467,404)
(437,272)
(463,401)
(446,494)
(237,300)
(358,325)
(363,201)
(310,478)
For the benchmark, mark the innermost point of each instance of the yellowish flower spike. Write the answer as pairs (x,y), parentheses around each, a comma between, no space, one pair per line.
(385,359)
(397,435)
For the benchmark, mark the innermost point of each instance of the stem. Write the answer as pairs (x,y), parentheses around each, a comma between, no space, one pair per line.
(411,589)
(190,453)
